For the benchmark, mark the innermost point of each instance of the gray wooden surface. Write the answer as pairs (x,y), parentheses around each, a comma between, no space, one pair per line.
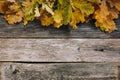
(35,30)
(45,53)
(60,50)
(59,71)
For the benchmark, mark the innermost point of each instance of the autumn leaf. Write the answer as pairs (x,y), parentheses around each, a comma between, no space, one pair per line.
(31,10)
(57,25)
(14,18)
(65,8)
(1,6)
(117,4)
(95,1)
(104,18)
(102,13)
(47,8)
(76,18)
(37,12)
(81,10)
(62,12)
(11,10)
(46,19)
(58,16)
(84,6)
(11,0)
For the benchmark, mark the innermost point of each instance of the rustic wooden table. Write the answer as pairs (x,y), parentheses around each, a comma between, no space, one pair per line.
(45,53)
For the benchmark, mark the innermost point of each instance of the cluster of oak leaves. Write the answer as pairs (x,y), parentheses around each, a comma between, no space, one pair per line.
(62,12)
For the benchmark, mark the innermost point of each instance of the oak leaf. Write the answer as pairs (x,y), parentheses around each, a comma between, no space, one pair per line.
(57,18)
(14,18)
(29,9)
(76,18)
(46,19)
(11,10)
(1,6)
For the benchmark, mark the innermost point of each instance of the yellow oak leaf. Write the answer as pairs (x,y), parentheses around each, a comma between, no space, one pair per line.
(26,3)
(108,25)
(113,13)
(117,4)
(114,3)
(14,18)
(46,19)
(58,16)
(84,6)
(37,12)
(57,25)
(30,10)
(101,13)
(11,10)
(105,17)
(1,6)
(47,8)
(76,18)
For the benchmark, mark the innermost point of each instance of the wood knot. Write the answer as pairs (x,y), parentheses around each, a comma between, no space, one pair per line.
(15,71)
(99,49)
(78,48)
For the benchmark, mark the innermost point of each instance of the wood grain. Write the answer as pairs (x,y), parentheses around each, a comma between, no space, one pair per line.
(35,30)
(59,71)
(32,45)
(60,50)
(119,72)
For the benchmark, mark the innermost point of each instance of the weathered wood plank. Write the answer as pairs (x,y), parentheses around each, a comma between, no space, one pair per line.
(118,72)
(60,50)
(59,71)
(0,70)
(35,30)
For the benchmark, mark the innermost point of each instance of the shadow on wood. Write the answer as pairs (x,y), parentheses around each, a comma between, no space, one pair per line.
(35,30)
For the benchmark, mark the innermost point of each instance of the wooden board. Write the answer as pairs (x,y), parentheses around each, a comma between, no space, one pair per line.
(35,30)
(33,52)
(60,50)
(118,72)
(61,71)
